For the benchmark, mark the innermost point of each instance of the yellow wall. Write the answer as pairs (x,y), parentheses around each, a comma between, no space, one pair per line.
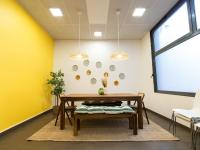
(26,56)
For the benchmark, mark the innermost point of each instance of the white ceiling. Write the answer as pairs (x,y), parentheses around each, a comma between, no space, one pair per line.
(66,27)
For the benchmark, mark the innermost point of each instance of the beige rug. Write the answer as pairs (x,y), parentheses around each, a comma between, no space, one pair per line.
(102,130)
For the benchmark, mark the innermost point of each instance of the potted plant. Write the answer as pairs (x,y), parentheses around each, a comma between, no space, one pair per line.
(57,83)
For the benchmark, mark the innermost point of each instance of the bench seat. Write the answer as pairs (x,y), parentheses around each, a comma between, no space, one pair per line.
(102,112)
(103,109)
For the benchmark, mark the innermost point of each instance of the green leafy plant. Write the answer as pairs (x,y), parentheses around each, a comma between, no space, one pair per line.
(57,83)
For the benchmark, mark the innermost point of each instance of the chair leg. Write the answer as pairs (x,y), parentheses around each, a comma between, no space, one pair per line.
(192,132)
(75,126)
(174,128)
(195,138)
(172,121)
(69,119)
(145,111)
(58,113)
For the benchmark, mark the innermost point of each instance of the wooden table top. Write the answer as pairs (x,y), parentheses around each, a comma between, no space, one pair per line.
(78,95)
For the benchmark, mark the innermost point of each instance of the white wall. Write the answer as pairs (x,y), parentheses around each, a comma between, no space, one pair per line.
(138,70)
(160,103)
(99,51)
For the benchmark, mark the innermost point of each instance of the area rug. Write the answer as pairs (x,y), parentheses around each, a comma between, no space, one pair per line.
(102,130)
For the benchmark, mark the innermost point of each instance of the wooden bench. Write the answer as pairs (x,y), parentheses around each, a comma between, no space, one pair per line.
(132,116)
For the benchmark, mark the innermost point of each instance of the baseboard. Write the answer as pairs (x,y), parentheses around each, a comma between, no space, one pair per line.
(2,132)
(179,124)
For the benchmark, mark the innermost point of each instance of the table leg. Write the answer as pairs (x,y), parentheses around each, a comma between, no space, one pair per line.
(62,115)
(139,111)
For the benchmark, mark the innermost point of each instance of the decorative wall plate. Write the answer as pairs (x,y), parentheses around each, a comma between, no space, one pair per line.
(112,68)
(122,76)
(93,81)
(116,82)
(86,62)
(98,64)
(75,67)
(88,72)
(77,77)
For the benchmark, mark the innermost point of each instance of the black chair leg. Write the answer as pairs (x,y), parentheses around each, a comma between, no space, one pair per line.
(195,139)
(69,119)
(172,121)
(58,113)
(145,111)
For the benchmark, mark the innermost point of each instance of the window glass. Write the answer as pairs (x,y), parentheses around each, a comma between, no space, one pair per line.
(173,28)
(197,11)
(178,69)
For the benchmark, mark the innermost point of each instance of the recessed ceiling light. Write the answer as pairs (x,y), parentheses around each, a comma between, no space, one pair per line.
(56,12)
(97,34)
(138,12)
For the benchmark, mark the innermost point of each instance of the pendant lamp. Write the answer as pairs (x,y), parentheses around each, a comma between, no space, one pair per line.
(118,54)
(78,55)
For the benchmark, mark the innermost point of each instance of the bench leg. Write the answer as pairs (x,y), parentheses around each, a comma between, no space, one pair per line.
(78,124)
(131,121)
(75,126)
(135,124)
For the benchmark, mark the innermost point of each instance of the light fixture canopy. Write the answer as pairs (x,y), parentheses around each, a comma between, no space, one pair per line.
(78,55)
(118,54)
(56,12)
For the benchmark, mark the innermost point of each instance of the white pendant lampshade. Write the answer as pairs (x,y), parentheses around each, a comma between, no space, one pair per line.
(78,55)
(118,54)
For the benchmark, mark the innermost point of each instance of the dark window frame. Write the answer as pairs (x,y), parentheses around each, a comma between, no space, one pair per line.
(193,32)
(192,3)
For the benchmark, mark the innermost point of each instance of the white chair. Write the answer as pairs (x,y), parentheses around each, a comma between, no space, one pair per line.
(186,114)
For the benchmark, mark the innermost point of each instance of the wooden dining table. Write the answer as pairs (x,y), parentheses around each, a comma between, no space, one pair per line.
(75,97)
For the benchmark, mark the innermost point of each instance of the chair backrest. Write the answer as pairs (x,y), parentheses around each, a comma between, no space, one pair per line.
(66,101)
(142,95)
(196,103)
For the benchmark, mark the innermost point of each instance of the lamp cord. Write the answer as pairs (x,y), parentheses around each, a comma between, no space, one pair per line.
(79,32)
(118,31)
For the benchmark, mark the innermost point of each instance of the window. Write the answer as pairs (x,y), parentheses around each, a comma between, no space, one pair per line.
(176,26)
(175,50)
(178,69)
(197,12)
